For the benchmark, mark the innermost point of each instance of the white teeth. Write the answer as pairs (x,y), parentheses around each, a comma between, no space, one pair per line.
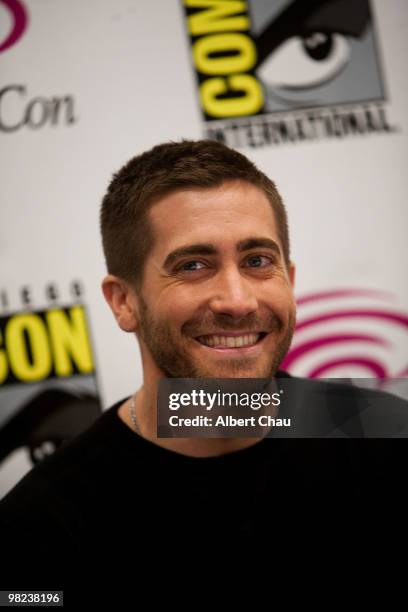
(229,341)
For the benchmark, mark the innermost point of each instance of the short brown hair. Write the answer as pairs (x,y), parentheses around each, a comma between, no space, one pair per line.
(127,236)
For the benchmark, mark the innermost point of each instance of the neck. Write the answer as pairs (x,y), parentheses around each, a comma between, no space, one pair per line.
(146,412)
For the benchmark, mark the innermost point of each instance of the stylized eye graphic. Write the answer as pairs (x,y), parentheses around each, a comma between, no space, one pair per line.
(307,45)
(306,62)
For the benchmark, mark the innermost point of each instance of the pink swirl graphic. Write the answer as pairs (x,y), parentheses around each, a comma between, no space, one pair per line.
(339,293)
(20,21)
(397,318)
(377,370)
(305,347)
(312,350)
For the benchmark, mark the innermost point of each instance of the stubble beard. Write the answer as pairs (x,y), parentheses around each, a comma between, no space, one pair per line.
(176,362)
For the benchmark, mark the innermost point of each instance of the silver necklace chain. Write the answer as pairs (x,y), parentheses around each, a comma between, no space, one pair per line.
(133,416)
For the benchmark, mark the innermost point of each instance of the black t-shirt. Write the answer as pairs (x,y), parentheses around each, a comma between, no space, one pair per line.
(109,502)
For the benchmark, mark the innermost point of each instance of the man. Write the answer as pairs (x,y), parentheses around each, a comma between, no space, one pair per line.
(197,250)
(216,266)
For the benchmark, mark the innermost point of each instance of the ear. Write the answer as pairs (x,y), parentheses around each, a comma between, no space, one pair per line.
(292,274)
(122,300)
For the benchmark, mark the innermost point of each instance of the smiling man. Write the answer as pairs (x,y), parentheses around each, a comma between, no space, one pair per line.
(212,295)
(197,251)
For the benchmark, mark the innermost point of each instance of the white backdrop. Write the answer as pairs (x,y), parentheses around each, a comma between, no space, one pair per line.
(126,67)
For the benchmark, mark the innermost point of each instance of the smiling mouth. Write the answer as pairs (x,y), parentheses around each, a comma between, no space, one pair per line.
(219,341)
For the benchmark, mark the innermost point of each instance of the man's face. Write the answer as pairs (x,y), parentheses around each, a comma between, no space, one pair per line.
(216,298)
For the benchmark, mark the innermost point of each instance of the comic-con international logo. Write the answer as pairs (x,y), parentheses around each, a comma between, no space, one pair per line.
(14,19)
(285,70)
(48,385)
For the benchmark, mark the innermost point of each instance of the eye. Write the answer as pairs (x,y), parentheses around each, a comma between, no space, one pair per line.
(190,266)
(306,62)
(258,261)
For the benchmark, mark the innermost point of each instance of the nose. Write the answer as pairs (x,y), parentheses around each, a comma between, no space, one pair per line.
(233,295)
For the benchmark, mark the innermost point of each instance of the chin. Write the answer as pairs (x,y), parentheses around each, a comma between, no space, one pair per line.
(235,371)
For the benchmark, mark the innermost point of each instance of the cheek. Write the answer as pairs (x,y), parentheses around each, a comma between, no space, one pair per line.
(282,303)
(182,304)
(175,312)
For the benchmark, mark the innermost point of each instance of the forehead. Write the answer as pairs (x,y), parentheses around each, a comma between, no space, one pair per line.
(227,213)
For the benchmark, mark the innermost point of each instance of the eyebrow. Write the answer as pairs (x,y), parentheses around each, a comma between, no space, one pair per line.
(210,249)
